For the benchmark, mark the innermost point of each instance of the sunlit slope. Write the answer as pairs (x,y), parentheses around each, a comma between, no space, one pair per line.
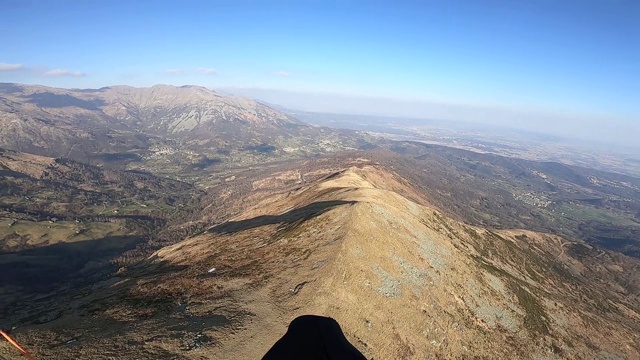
(403,280)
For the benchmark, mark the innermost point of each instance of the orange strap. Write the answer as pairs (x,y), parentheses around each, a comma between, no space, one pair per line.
(15,343)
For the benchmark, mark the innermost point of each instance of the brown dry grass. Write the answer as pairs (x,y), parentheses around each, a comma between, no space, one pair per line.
(402,279)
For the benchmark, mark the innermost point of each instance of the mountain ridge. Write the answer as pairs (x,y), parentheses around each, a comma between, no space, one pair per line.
(355,241)
(363,253)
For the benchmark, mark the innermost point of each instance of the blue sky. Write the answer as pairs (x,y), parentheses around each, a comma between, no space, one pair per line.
(555,56)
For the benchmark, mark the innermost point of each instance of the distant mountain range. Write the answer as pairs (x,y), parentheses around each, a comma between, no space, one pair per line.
(165,124)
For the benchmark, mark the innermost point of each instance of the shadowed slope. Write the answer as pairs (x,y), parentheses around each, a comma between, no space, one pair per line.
(288,218)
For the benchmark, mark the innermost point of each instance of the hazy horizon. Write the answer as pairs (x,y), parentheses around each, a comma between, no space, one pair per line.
(565,68)
(581,127)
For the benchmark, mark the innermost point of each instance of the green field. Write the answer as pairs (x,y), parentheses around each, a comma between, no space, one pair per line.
(44,232)
(588,213)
